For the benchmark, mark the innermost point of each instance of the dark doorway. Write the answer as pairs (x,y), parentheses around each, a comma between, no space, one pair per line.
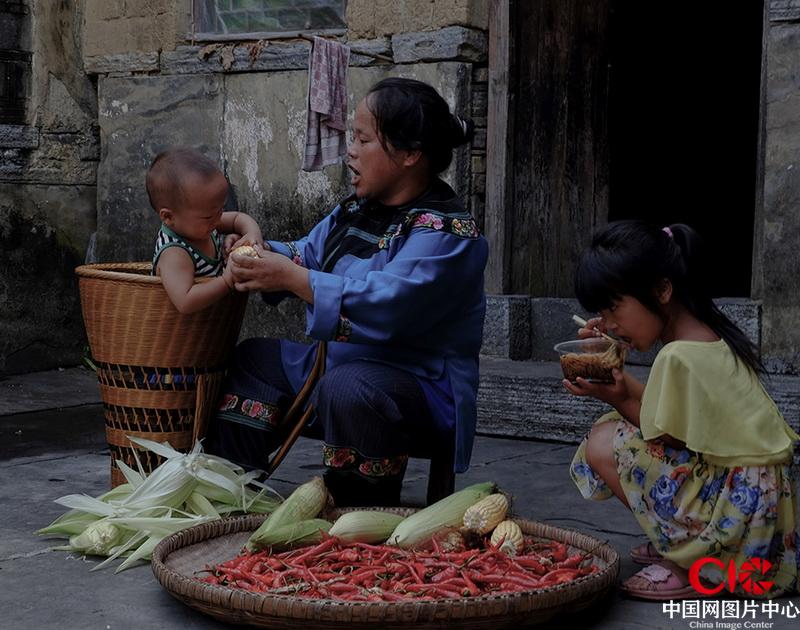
(684,99)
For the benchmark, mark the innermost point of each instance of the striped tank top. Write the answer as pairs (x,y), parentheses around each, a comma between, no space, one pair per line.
(203,265)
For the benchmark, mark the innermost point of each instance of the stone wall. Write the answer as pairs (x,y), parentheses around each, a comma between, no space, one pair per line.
(47,195)
(776,278)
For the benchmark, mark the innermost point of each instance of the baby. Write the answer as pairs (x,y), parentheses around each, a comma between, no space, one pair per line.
(188,191)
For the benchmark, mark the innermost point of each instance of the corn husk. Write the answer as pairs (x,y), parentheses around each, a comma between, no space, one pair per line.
(367,526)
(306,532)
(418,528)
(185,490)
(303,504)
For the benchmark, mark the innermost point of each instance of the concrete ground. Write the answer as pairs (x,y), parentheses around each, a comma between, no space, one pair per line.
(52,443)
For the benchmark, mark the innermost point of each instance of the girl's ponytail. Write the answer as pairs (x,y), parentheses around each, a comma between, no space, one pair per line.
(692,289)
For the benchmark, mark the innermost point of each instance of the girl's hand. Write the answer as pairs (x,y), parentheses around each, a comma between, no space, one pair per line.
(613,394)
(624,394)
(594,327)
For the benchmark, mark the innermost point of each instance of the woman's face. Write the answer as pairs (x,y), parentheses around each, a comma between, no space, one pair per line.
(376,174)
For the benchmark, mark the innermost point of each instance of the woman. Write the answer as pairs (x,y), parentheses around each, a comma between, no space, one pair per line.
(393,278)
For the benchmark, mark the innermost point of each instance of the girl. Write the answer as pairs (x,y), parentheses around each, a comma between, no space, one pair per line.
(393,279)
(700,455)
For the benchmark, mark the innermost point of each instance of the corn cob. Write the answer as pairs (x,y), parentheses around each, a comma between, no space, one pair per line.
(246,250)
(449,512)
(484,516)
(371,526)
(304,503)
(511,536)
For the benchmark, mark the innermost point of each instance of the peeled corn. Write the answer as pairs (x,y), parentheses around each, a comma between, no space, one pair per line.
(511,536)
(449,512)
(246,250)
(368,526)
(485,515)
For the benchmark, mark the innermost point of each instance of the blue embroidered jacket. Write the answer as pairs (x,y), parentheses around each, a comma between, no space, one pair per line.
(402,286)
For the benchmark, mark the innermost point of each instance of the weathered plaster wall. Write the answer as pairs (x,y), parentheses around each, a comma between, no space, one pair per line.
(47,196)
(777,266)
(254,124)
(129,26)
(376,18)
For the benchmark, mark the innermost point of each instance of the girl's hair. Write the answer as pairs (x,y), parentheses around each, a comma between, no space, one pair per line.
(634,257)
(412,116)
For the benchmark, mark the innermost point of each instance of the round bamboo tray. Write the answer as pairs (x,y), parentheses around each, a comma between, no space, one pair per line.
(159,370)
(180,557)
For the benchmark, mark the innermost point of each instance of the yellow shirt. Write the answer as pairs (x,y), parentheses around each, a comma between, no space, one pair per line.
(698,393)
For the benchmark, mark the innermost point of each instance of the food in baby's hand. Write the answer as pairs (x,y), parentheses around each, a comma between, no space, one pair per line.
(246,250)
(591,359)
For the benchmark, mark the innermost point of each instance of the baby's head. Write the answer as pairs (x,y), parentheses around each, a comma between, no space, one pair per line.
(187,190)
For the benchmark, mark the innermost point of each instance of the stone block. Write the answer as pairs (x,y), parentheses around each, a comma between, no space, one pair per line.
(275,57)
(61,113)
(478,164)
(103,10)
(148,8)
(479,140)
(480,74)
(478,184)
(18,137)
(506,329)
(380,46)
(124,62)
(451,43)
(784,10)
(58,160)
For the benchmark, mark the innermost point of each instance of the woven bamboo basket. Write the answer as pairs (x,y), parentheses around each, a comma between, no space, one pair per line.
(159,371)
(179,558)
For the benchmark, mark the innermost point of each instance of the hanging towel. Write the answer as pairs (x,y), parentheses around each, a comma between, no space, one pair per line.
(327,104)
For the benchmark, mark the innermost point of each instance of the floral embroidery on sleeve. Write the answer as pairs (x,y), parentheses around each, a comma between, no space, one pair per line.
(463,226)
(344,329)
(297,259)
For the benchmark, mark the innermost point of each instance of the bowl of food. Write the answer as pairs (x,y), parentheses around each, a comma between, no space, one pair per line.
(592,359)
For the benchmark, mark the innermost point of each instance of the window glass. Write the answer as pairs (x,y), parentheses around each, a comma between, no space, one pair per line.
(229,17)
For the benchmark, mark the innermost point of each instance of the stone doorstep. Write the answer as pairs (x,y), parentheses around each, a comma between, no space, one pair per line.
(526,400)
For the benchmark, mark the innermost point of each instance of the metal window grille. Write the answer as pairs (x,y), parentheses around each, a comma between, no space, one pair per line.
(238,17)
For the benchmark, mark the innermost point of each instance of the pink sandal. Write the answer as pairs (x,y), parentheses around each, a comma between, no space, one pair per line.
(656,582)
(648,556)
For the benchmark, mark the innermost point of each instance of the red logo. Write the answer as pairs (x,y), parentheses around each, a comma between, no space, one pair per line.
(750,576)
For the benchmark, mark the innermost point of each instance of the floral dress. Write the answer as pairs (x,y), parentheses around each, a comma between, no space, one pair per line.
(694,504)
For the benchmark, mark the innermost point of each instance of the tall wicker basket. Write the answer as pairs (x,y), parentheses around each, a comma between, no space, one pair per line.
(159,371)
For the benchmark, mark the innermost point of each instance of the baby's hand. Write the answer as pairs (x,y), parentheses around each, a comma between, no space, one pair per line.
(228,245)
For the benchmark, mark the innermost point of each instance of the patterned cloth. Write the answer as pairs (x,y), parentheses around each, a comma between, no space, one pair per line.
(690,508)
(371,417)
(203,265)
(327,104)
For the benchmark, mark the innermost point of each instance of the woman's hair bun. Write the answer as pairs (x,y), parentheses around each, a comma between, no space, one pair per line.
(464,130)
